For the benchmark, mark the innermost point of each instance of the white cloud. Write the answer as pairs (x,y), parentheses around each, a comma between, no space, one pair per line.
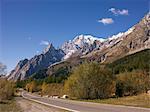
(106,21)
(119,12)
(43,42)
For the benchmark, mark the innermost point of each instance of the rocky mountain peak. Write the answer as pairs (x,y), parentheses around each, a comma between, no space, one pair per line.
(147,17)
(49,48)
(145,22)
(26,68)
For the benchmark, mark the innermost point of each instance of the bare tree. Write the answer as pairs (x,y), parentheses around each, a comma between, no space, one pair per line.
(3,69)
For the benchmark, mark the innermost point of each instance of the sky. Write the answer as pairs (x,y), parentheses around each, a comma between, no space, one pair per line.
(27,26)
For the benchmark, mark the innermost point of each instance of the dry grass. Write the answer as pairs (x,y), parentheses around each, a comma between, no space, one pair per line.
(9,106)
(142,100)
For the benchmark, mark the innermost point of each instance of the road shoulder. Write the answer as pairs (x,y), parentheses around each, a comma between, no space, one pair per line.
(30,106)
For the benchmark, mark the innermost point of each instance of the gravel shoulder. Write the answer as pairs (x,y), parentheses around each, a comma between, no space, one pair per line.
(30,106)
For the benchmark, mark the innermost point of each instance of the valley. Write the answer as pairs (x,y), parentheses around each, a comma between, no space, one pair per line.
(76,56)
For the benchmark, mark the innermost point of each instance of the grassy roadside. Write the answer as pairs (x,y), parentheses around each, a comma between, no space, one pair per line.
(142,100)
(10,106)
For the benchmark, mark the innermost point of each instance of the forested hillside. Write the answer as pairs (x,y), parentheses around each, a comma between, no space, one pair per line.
(136,61)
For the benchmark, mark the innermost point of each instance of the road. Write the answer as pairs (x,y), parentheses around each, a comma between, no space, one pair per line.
(78,106)
(30,106)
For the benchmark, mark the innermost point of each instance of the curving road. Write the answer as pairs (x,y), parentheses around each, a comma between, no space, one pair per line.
(77,106)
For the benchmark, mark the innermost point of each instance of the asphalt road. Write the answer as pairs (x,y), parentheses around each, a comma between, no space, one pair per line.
(78,106)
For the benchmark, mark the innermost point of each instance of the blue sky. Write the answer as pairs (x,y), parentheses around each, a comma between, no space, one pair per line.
(24,24)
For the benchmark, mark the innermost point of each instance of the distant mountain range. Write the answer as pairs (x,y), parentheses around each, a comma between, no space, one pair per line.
(103,50)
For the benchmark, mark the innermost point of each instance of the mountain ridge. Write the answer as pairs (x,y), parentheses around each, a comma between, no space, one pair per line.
(49,56)
(89,47)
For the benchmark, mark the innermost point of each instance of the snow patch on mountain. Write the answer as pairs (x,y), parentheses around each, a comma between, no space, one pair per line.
(86,39)
(121,34)
(81,44)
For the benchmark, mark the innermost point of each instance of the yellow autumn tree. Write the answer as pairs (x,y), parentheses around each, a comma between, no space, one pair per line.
(90,81)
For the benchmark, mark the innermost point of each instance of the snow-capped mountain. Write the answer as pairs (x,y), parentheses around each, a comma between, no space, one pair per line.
(135,39)
(81,44)
(84,44)
(113,37)
(89,47)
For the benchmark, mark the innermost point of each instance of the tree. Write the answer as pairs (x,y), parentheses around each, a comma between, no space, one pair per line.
(2,69)
(132,83)
(52,89)
(44,88)
(20,83)
(90,81)
(6,89)
(27,87)
(31,86)
(137,61)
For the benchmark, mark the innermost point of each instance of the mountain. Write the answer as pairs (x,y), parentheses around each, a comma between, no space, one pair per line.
(81,45)
(84,44)
(138,61)
(135,39)
(26,67)
(87,47)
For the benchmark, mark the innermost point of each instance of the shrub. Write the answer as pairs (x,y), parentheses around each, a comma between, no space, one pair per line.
(6,89)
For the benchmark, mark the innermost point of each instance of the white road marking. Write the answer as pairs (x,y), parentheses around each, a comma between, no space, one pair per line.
(50,104)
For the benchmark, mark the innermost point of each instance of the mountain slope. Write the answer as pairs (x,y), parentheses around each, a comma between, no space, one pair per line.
(25,68)
(137,61)
(133,62)
(136,40)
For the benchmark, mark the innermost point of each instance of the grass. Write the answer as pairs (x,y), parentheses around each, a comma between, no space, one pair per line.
(9,106)
(142,100)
